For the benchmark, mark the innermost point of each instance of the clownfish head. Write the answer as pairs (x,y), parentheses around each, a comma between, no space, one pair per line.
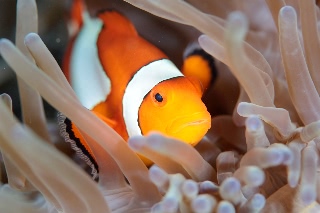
(174,107)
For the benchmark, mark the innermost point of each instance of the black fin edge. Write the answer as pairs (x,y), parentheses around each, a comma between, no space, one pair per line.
(211,61)
(68,135)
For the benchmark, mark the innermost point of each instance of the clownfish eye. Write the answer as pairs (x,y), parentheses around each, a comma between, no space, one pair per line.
(158,97)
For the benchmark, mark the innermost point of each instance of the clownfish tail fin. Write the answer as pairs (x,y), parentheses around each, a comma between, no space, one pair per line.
(71,134)
(200,64)
(114,23)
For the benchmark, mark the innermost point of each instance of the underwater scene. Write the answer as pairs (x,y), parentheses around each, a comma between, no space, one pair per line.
(159,106)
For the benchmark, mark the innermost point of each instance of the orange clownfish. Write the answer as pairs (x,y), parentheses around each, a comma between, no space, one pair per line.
(199,64)
(131,85)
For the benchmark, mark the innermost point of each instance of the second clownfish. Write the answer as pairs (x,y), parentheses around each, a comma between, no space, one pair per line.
(131,85)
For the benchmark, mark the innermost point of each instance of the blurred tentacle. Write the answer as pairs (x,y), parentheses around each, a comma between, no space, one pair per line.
(168,164)
(274,7)
(276,117)
(255,87)
(296,68)
(31,102)
(16,179)
(255,133)
(310,38)
(84,119)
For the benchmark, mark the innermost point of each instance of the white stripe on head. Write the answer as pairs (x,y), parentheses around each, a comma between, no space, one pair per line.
(88,79)
(141,83)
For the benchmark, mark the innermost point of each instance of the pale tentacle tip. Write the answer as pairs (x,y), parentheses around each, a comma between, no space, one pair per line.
(293,180)
(307,195)
(258,202)
(4,44)
(237,17)
(190,188)
(284,151)
(158,176)
(5,96)
(253,123)
(239,23)
(170,204)
(287,11)
(203,203)
(136,142)
(156,170)
(275,157)
(225,207)
(6,100)
(204,42)
(256,176)
(202,38)
(155,140)
(154,135)
(31,38)
(287,157)
(231,185)
(243,108)
(208,186)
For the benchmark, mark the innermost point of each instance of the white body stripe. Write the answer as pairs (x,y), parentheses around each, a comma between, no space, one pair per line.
(88,79)
(141,83)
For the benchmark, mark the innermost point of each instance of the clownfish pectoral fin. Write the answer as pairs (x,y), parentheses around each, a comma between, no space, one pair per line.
(108,121)
(72,135)
(198,63)
(197,84)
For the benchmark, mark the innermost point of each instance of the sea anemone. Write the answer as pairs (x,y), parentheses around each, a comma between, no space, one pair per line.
(260,156)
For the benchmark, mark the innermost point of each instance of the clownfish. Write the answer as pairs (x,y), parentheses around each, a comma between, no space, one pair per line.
(130,84)
(199,64)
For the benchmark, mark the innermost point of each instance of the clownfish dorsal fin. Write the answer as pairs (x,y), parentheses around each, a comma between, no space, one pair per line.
(114,23)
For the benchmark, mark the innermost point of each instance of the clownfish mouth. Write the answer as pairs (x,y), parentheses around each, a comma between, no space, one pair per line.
(190,128)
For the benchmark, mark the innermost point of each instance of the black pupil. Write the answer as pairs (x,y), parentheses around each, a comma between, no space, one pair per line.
(158,97)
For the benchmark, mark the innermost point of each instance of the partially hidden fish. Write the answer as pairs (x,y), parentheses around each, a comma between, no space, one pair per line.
(199,64)
(130,84)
